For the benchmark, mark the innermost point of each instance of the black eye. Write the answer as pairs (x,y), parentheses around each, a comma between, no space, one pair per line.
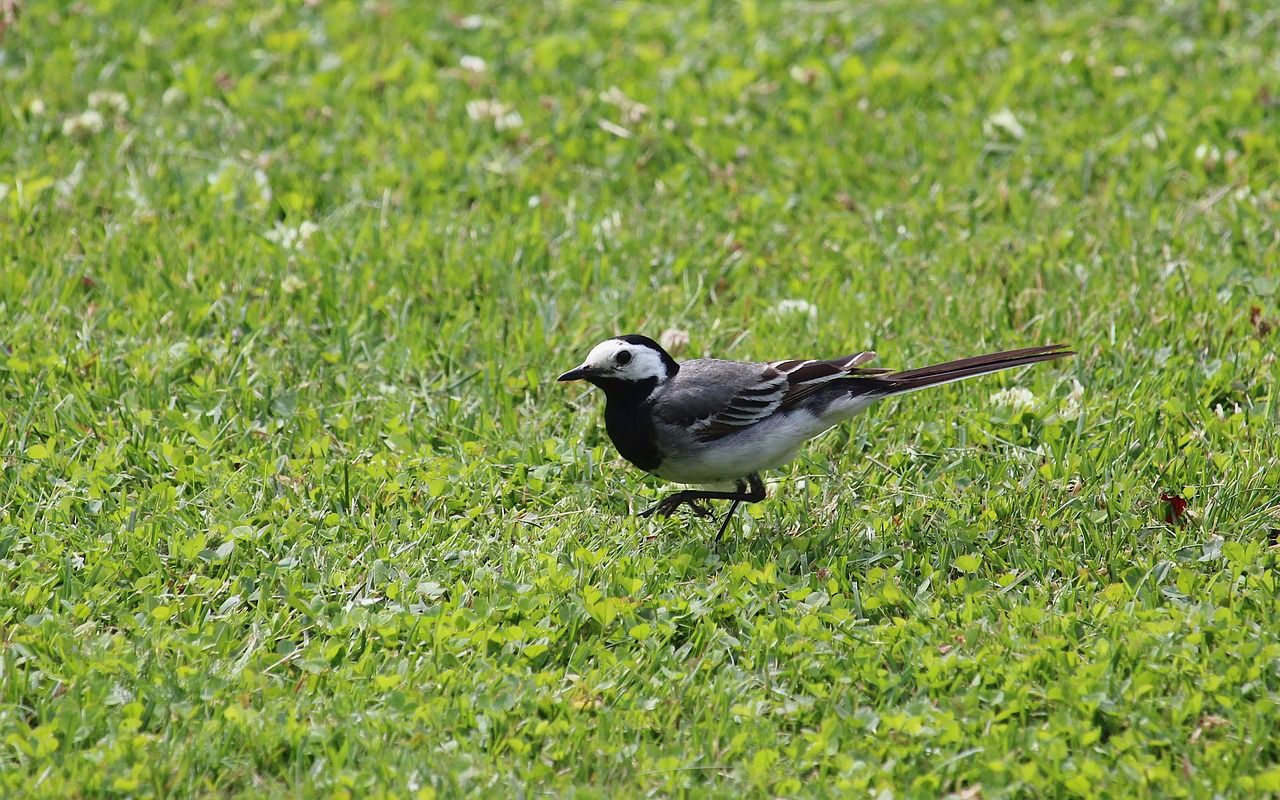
(623,358)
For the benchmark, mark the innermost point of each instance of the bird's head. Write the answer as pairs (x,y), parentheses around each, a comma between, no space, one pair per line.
(623,360)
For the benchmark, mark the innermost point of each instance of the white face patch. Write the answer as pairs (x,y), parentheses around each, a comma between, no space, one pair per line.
(626,361)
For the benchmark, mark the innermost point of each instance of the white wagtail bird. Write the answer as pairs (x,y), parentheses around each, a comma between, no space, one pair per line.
(708,421)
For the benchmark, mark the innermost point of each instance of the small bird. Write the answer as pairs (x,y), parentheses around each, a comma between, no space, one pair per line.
(709,421)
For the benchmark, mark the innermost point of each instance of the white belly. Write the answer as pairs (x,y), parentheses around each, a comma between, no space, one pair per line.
(764,446)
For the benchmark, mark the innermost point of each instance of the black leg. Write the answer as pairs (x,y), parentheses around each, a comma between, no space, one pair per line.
(749,491)
(752,492)
(724,526)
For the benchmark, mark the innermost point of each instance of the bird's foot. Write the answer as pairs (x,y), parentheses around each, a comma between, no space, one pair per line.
(668,505)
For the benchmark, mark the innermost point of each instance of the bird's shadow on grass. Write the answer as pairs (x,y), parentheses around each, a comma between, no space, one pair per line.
(765,542)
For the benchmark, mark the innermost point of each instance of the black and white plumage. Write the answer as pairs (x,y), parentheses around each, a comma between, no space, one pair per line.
(708,421)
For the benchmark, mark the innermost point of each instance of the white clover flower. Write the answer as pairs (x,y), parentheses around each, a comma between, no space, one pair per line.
(674,340)
(292,284)
(173,96)
(84,125)
(473,64)
(471,22)
(1208,155)
(1015,399)
(1004,122)
(485,110)
(797,307)
(282,235)
(36,107)
(804,75)
(504,117)
(291,238)
(116,102)
(508,121)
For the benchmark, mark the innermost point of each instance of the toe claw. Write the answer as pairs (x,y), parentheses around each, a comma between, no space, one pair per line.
(671,503)
(667,507)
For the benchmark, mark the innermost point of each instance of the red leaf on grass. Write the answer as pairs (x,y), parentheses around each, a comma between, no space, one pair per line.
(1174,508)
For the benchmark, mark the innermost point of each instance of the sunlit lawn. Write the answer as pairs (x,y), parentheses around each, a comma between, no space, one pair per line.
(291,504)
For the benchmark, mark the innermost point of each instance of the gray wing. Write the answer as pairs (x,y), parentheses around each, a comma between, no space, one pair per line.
(707,388)
(714,398)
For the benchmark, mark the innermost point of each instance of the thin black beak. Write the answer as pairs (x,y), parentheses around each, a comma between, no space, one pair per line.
(577,374)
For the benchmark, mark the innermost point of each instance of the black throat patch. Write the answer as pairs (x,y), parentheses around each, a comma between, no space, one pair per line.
(628,421)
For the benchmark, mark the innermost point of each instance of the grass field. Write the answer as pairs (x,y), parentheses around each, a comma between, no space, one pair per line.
(291,504)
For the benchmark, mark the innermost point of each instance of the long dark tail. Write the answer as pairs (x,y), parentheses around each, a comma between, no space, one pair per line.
(913,379)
